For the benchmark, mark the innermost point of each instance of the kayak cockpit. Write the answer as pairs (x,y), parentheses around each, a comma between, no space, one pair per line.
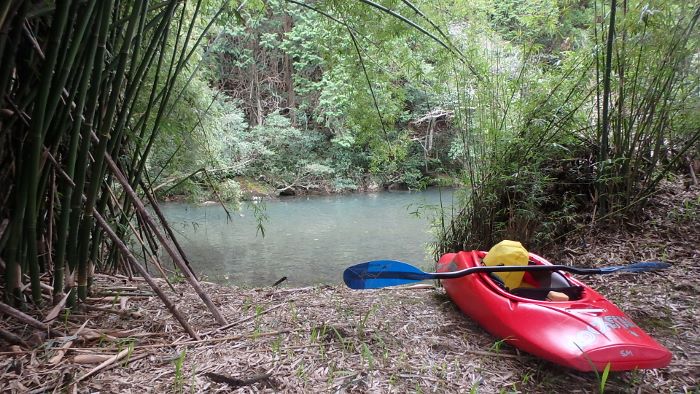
(543,286)
(537,285)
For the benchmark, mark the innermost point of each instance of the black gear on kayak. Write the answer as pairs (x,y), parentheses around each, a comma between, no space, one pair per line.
(573,292)
(547,281)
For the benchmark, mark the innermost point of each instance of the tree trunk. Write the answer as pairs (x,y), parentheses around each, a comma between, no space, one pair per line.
(289,73)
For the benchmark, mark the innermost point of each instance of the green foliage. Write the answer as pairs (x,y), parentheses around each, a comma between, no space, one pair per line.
(229,190)
(285,154)
(604,378)
(653,49)
(179,380)
(532,150)
(291,62)
(496,347)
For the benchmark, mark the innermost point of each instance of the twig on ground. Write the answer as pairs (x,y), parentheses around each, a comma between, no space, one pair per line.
(62,350)
(242,320)
(24,318)
(106,363)
(237,382)
(12,338)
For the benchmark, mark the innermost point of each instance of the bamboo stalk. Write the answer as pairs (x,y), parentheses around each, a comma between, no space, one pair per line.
(177,259)
(13,18)
(166,93)
(33,155)
(66,69)
(141,125)
(133,77)
(78,238)
(153,258)
(99,153)
(166,226)
(130,257)
(68,187)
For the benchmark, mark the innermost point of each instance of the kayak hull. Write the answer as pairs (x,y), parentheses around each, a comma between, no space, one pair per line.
(585,334)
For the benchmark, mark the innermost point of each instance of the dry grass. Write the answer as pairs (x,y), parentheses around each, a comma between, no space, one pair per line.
(331,339)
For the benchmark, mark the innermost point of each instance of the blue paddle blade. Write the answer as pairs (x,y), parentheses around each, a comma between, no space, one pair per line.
(637,267)
(382,273)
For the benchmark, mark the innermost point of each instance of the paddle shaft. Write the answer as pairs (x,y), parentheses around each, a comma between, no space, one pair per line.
(528,268)
(474,270)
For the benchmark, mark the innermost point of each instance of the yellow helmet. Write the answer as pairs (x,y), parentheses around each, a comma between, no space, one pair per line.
(508,253)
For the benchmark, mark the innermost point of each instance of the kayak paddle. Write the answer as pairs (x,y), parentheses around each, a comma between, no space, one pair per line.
(384,273)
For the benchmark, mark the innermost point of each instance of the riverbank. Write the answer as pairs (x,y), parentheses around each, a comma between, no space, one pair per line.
(244,189)
(331,339)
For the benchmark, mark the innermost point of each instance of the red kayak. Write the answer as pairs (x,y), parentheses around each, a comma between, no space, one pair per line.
(583,333)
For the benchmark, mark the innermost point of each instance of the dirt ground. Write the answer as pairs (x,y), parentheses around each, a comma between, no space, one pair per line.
(332,339)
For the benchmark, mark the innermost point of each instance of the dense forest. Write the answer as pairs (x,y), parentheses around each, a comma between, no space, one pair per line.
(549,114)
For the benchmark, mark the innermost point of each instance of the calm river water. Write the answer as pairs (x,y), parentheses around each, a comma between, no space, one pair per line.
(309,240)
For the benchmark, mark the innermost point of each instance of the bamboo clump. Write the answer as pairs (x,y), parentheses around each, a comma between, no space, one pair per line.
(80,83)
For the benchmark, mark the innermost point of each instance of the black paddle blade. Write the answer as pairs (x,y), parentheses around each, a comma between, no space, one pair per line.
(382,273)
(637,267)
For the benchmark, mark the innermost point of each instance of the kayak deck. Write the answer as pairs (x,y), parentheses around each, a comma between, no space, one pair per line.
(585,333)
